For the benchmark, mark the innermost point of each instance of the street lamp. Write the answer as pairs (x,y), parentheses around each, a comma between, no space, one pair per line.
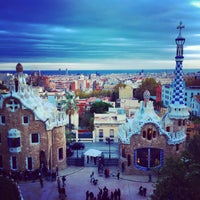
(108,140)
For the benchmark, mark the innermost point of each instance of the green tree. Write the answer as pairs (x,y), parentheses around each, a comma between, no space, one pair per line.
(91,124)
(94,93)
(100,107)
(194,148)
(70,106)
(8,189)
(180,177)
(115,93)
(191,81)
(147,84)
(87,119)
(84,120)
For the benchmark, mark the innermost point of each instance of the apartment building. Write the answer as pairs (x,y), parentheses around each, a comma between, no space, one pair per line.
(106,125)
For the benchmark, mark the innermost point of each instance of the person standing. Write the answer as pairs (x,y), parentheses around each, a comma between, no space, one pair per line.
(41,182)
(91,177)
(56,170)
(149,176)
(58,182)
(62,194)
(111,195)
(88,159)
(115,194)
(63,180)
(87,194)
(119,193)
(63,191)
(118,175)
(144,192)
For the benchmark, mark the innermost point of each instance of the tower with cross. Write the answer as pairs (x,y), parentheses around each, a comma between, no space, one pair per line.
(179,42)
(146,126)
(180,26)
(178,110)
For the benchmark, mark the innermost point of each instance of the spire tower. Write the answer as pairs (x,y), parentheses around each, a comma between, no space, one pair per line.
(178,110)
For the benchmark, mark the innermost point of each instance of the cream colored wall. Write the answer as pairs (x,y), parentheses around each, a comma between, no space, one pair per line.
(126,92)
(108,121)
(106,131)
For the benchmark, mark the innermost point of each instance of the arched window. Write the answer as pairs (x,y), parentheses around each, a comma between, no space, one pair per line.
(144,134)
(129,159)
(154,134)
(149,134)
(168,129)
(123,151)
(177,147)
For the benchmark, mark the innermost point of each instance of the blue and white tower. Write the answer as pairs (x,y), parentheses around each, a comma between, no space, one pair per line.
(178,110)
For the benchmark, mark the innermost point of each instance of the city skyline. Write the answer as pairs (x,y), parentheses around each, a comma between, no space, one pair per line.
(96,34)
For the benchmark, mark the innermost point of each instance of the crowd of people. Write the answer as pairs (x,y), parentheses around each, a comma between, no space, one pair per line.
(104,194)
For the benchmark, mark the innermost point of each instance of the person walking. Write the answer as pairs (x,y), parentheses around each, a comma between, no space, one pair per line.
(63,180)
(91,177)
(41,182)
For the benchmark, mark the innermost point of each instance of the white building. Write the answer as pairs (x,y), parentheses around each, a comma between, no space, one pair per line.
(167,91)
(195,105)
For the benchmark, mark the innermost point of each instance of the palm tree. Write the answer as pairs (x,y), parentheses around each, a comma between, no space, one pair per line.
(70,106)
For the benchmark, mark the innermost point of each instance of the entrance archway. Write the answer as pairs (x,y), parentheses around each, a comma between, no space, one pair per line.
(43,161)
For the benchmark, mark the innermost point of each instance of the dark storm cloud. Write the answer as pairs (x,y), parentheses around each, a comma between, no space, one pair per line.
(78,30)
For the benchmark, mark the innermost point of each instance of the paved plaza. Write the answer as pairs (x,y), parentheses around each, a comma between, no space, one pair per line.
(78,182)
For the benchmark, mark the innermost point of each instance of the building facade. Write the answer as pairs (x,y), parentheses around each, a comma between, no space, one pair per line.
(167,91)
(106,125)
(32,130)
(126,92)
(195,105)
(146,139)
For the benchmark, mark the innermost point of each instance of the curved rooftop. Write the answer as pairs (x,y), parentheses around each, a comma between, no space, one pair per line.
(42,109)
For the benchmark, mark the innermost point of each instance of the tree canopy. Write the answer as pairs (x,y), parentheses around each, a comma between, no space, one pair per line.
(100,107)
(94,93)
(69,105)
(115,92)
(180,177)
(147,84)
(87,119)
(191,81)
(9,190)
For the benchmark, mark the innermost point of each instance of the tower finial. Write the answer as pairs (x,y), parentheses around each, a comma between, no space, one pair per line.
(180,27)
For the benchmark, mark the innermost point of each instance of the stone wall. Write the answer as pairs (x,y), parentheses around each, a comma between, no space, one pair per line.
(49,143)
(138,141)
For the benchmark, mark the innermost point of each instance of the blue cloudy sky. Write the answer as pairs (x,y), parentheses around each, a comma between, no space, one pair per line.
(97,34)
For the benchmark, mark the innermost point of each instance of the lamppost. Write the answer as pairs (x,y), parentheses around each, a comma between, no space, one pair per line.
(108,140)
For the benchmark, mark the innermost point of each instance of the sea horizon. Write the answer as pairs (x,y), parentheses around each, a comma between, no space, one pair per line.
(99,72)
